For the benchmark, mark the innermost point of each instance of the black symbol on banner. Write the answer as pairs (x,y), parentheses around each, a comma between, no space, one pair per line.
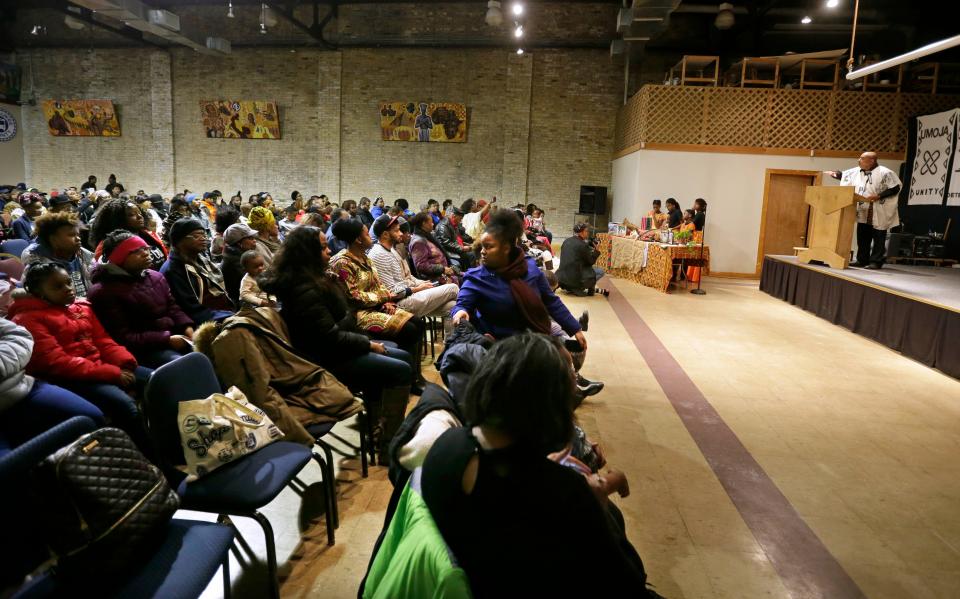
(930,162)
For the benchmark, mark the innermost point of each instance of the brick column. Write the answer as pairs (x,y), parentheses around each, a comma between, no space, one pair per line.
(516,130)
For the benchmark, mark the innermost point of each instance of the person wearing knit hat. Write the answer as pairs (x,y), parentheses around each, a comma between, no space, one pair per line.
(377,311)
(195,281)
(263,221)
(237,239)
(135,303)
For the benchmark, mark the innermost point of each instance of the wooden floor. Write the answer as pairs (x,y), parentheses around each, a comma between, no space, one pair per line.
(862,443)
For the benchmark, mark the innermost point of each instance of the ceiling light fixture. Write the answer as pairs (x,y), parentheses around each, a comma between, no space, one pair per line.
(806,20)
(494,17)
(725,18)
(229,10)
(518,32)
(517,9)
(38,30)
(519,50)
(833,3)
(263,13)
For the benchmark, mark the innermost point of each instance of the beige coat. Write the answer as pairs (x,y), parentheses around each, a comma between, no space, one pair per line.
(253,352)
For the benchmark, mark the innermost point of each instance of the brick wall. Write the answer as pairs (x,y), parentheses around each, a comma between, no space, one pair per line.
(540,125)
(138,82)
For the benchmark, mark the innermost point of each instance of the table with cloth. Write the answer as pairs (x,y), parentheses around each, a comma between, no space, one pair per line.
(646,262)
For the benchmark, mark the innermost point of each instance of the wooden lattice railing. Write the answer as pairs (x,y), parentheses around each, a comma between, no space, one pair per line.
(780,121)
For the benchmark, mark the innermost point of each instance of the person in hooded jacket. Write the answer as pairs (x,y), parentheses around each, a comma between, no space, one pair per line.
(58,240)
(135,303)
(73,350)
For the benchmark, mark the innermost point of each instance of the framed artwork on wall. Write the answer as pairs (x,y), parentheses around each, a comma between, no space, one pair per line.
(423,121)
(240,119)
(81,118)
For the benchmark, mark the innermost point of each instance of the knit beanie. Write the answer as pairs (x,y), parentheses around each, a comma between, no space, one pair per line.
(182,228)
(261,219)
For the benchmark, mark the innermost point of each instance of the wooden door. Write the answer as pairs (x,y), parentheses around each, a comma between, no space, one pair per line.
(785,219)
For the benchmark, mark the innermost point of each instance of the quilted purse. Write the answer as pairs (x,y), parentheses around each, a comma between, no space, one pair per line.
(104,503)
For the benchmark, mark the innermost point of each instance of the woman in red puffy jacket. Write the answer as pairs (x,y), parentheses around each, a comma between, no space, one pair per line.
(72,349)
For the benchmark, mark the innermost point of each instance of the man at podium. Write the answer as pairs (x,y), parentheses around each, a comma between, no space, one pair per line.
(878,214)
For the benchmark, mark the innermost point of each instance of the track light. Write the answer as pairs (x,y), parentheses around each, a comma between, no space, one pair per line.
(518,32)
(263,18)
(519,50)
(806,20)
(725,18)
(494,16)
(229,10)
(833,3)
(38,30)
(517,8)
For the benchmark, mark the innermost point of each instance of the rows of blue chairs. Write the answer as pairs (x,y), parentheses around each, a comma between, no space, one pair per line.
(193,551)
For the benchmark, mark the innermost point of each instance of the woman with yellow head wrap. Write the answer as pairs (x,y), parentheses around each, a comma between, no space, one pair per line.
(263,222)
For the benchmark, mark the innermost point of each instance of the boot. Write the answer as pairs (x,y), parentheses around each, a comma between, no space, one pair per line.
(394,406)
(372,404)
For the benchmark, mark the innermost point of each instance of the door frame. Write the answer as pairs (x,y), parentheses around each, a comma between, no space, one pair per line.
(817,175)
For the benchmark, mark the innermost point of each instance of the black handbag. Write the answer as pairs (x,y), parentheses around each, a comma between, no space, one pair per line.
(102,503)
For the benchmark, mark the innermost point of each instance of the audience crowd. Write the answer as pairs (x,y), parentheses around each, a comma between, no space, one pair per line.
(103,286)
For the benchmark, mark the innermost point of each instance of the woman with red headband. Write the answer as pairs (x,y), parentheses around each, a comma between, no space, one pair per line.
(135,304)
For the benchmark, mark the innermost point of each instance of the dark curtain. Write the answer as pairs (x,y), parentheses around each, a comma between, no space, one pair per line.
(926,333)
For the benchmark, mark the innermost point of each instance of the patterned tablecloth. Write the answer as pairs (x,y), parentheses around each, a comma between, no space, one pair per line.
(645,262)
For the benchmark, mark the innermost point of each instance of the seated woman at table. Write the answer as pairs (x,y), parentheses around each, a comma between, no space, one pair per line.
(699,213)
(659,217)
(687,223)
(674,214)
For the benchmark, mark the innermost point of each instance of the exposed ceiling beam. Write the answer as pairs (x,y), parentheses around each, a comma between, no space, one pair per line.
(86,16)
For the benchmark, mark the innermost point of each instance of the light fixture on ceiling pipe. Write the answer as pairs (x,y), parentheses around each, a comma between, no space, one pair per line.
(230,9)
(518,32)
(494,16)
(943,44)
(263,15)
(833,3)
(806,20)
(38,30)
(519,50)
(725,18)
(517,8)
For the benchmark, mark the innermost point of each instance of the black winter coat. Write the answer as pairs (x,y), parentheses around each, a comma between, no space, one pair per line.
(576,264)
(322,325)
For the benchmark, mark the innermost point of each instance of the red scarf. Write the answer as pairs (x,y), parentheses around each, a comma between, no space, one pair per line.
(527,298)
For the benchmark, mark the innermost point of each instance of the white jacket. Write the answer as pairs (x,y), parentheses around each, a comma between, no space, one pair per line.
(16,347)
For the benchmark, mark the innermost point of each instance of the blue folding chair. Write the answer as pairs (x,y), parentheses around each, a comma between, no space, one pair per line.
(181,567)
(239,488)
(14,247)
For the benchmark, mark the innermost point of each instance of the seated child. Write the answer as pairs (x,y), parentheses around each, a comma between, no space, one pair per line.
(72,349)
(136,304)
(250,293)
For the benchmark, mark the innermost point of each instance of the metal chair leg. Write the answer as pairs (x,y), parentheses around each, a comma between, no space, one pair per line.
(226,576)
(363,443)
(334,506)
(271,553)
(328,493)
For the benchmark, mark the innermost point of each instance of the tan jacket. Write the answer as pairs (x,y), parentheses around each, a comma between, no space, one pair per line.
(253,352)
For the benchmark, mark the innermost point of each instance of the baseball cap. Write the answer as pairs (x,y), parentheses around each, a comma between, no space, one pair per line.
(383,222)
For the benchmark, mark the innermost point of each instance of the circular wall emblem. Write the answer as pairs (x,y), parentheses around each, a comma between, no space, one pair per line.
(8,125)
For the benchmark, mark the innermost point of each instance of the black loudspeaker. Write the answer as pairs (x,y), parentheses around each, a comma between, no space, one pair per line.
(593,199)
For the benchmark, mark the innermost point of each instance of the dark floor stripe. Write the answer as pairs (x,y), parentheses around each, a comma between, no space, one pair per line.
(806,568)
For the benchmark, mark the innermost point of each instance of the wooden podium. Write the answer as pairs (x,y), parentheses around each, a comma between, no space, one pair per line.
(833,217)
